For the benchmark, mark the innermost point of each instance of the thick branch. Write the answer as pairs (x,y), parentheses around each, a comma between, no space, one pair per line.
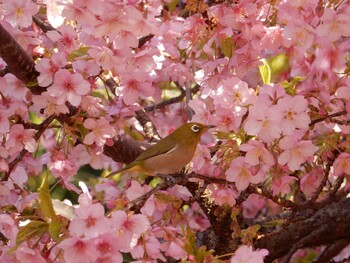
(331,222)
(18,61)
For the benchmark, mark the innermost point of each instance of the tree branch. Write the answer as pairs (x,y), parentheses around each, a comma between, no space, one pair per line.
(332,223)
(18,61)
(42,127)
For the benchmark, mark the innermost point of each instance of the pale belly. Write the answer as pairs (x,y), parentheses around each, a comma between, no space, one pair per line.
(168,163)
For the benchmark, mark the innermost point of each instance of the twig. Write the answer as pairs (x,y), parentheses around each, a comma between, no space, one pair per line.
(331,251)
(43,127)
(278,200)
(337,114)
(44,26)
(144,40)
(148,127)
(172,100)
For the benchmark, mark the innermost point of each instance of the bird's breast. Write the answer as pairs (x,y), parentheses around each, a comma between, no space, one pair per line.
(169,162)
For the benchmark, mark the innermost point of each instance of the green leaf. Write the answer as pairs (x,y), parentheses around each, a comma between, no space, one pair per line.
(45,202)
(82,51)
(226,46)
(265,72)
(290,86)
(55,230)
(32,229)
(172,5)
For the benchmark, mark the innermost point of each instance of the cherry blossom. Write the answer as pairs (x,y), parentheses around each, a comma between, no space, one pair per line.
(19,13)
(295,153)
(342,165)
(90,221)
(129,228)
(68,87)
(247,255)
(101,131)
(79,250)
(86,76)
(20,138)
(241,173)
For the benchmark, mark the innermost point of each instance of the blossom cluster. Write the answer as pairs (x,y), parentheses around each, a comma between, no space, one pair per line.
(272,76)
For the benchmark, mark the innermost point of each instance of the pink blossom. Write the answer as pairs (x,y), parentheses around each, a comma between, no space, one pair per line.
(241,174)
(334,25)
(293,110)
(104,57)
(62,167)
(281,185)
(147,247)
(342,165)
(309,182)
(20,138)
(68,87)
(233,92)
(125,39)
(19,176)
(253,205)
(172,245)
(272,38)
(129,228)
(54,12)
(8,227)
(14,88)
(257,153)
(295,152)
(107,246)
(49,104)
(48,67)
(134,86)
(136,190)
(93,106)
(263,121)
(247,255)
(101,130)
(300,36)
(79,250)
(223,196)
(112,22)
(228,119)
(202,111)
(4,121)
(89,68)
(90,221)
(19,13)
(26,254)
(65,40)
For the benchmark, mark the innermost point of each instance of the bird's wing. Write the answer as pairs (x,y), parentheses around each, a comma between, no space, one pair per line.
(167,145)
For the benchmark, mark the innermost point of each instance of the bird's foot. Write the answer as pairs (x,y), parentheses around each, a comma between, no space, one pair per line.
(170,178)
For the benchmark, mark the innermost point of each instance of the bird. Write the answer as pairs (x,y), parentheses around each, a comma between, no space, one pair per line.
(170,154)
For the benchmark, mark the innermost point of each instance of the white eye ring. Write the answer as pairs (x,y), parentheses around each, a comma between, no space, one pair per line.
(195,128)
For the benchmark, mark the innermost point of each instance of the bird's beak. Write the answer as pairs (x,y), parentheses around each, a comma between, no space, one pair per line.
(209,127)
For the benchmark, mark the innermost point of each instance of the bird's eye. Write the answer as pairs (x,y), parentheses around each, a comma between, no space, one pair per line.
(195,128)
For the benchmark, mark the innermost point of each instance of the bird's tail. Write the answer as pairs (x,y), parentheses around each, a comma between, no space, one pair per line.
(124,169)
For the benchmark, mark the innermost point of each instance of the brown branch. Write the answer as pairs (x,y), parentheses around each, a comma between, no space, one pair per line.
(44,25)
(148,127)
(276,199)
(331,251)
(172,100)
(43,127)
(326,226)
(330,116)
(144,40)
(18,61)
